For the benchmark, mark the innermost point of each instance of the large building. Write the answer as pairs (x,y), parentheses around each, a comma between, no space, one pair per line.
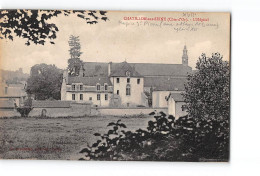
(12,95)
(126,84)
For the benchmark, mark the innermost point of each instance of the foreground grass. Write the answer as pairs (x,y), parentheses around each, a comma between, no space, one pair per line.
(55,138)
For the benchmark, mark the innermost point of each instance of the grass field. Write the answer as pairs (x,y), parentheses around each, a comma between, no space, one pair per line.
(55,138)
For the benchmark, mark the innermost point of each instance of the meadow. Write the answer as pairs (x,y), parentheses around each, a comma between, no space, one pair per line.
(56,138)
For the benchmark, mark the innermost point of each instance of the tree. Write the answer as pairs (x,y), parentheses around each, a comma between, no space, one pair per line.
(202,135)
(34,25)
(207,91)
(26,108)
(207,96)
(45,82)
(74,63)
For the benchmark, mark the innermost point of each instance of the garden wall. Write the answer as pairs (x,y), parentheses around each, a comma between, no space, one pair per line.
(8,113)
(64,109)
(125,111)
(74,109)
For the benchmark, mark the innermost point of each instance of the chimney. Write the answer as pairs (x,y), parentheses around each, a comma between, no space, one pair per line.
(65,76)
(109,68)
(81,72)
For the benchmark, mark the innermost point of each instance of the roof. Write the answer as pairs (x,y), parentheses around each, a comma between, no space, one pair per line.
(95,69)
(195,71)
(90,81)
(120,70)
(51,104)
(144,69)
(177,97)
(152,69)
(165,83)
(6,104)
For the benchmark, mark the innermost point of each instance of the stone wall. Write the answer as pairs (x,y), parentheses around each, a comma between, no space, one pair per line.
(125,111)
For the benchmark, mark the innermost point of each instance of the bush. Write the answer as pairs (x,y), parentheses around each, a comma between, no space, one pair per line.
(24,111)
(165,139)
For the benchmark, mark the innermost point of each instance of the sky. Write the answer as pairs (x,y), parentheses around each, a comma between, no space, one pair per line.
(123,39)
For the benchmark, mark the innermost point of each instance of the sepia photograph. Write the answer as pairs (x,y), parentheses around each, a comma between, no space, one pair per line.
(115,85)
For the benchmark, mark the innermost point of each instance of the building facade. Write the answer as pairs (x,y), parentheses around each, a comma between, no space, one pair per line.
(126,84)
(15,94)
(176,105)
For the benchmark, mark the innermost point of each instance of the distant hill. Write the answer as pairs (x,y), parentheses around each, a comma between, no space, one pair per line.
(12,77)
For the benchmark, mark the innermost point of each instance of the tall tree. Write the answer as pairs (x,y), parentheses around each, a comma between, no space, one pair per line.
(207,91)
(45,82)
(74,63)
(34,25)
(207,96)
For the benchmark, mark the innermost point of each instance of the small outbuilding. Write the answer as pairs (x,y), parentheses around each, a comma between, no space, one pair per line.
(176,105)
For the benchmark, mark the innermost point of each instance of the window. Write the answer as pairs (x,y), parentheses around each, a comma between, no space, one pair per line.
(90,98)
(80,87)
(81,96)
(6,90)
(127,104)
(128,80)
(106,96)
(183,107)
(73,97)
(128,89)
(117,80)
(105,86)
(73,87)
(138,81)
(98,96)
(98,86)
(117,92)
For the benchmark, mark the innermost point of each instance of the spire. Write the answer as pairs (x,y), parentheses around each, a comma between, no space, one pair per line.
(185,56)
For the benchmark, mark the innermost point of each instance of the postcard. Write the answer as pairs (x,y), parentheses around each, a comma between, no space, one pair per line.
(114,85)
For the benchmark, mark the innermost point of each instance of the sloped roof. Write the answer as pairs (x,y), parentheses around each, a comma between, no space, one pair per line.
(51,104)
(144,69)
(95,69)
(6,104)
(90,81)
(152,69)
(165,83)
(121,69)
(177,97)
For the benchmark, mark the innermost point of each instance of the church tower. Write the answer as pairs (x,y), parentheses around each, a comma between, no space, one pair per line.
(185,56)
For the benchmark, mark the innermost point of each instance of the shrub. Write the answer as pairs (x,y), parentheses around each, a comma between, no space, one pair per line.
(24,111)
(165,139)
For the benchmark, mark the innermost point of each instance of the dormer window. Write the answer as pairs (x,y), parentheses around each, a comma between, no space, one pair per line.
(80,87)
(105,85)
(98,86)
(127,73)
(73,87)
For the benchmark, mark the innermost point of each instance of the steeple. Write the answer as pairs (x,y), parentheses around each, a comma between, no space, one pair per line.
(185,56)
